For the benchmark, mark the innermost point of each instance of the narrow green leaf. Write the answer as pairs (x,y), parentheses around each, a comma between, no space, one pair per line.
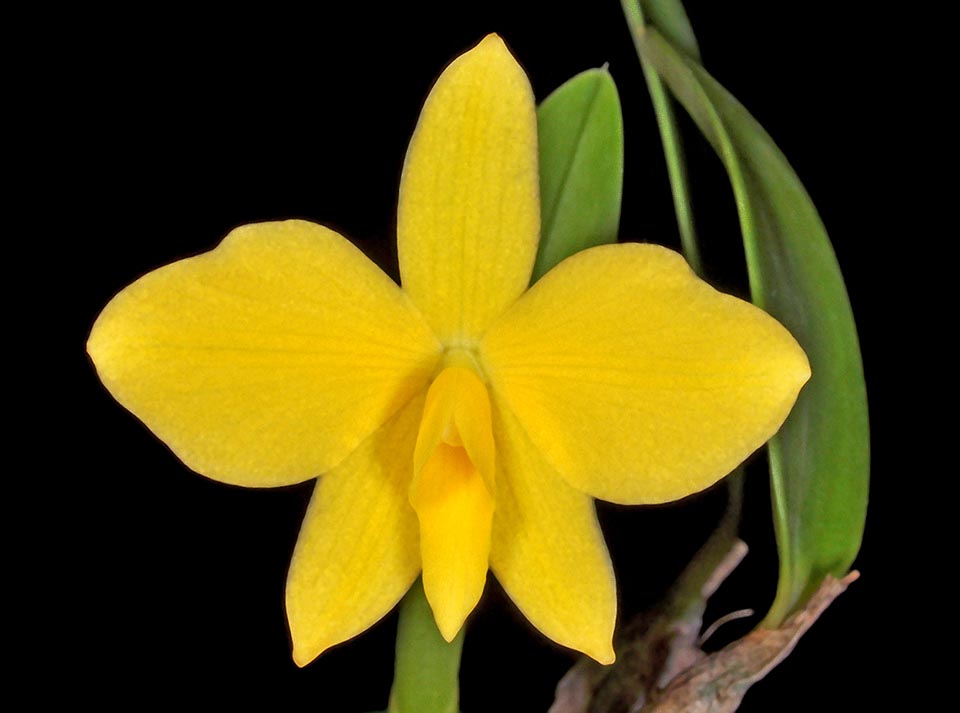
(427,667)
(820,458)
(671,18)
(580,129)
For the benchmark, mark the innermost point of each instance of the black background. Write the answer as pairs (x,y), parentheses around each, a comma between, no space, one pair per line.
(183,127)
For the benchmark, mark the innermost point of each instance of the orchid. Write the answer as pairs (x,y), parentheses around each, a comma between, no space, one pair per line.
(464,421)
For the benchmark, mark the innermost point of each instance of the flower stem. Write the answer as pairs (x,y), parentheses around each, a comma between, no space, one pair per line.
(426,671)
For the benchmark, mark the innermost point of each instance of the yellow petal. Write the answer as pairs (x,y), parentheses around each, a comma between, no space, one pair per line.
(452,495)
(358,550)
(547,549)
(469,209)
(638,382)
(267,360)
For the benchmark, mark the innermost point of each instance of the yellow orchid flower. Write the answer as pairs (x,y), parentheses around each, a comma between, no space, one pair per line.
(461,422)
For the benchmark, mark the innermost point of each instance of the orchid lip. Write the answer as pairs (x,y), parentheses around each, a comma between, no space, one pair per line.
(452,492)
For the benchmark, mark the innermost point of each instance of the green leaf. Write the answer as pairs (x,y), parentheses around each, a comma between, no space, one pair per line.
(672,19)
(820,458)
(580,129)
(426,668)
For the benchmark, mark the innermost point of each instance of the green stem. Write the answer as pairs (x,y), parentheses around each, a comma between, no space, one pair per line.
(425,678)
(670,137)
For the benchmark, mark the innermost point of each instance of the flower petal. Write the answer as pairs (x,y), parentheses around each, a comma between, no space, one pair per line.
(547,549)
(358,550)
(469,209)
(638,382)
(267,360)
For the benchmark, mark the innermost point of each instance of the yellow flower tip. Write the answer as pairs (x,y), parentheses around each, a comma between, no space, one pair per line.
(604,655)
(594,637)
(802,370)
(309,630)
(307,651)
(450,619)
(302,657)
(492,43)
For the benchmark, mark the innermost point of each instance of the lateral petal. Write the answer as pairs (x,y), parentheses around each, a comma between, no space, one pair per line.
(358,550)
(267,360)
(638,382)
(468,219)
(547,549)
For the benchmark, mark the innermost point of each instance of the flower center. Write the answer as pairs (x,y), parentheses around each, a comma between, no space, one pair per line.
(453,492)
